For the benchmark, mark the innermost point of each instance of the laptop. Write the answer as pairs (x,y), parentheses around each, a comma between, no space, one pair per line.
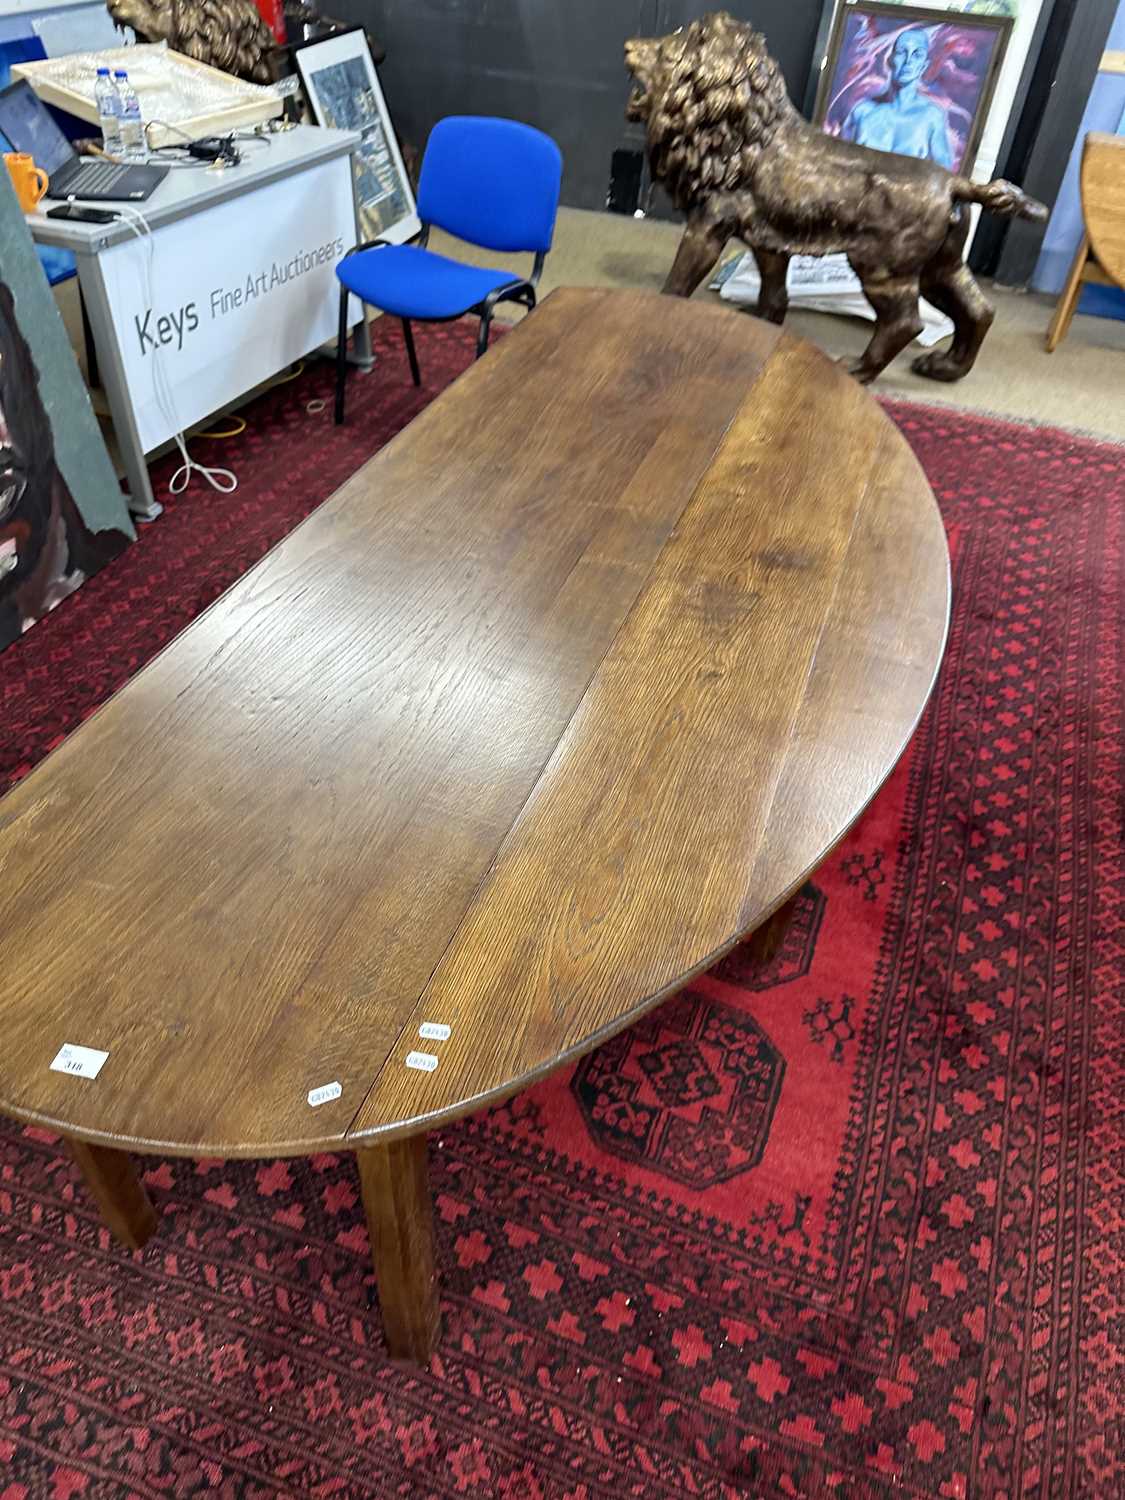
(26,122)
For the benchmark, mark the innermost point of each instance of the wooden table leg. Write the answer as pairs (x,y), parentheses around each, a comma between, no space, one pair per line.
(117,1190)
(396,1195)
(764,943)
(1068,297)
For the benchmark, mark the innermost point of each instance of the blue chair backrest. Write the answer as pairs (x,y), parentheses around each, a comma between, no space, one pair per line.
(492,182)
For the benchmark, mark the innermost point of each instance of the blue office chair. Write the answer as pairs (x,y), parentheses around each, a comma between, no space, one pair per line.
(491,182)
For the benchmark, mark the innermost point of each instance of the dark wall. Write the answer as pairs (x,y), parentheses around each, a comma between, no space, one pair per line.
(553,63)
(1064,74)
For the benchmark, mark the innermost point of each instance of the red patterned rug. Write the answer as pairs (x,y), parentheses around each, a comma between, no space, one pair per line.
(850,1224)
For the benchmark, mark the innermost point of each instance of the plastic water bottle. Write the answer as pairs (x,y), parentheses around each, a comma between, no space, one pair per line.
(109,111)
(134,146)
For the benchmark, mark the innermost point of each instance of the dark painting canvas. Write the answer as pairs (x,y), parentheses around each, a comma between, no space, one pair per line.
(62,512)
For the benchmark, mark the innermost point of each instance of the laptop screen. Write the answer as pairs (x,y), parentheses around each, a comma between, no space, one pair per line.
(26,123)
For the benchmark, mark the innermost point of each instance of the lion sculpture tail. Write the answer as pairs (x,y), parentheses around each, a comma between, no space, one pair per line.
(999,197)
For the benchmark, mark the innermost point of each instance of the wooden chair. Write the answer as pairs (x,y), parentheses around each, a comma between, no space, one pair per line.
(1101,252)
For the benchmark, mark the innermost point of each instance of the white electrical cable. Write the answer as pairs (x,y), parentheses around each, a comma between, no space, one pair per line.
(223,480)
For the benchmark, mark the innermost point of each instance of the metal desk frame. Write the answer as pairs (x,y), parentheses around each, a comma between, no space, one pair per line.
(182,194)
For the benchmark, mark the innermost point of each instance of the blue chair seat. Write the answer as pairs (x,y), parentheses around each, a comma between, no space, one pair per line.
(413,283)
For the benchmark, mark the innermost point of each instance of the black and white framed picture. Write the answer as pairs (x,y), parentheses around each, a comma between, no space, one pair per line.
(914,80)
(343,90)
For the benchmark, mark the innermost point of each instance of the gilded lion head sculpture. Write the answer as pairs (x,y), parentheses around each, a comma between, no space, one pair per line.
(711,97)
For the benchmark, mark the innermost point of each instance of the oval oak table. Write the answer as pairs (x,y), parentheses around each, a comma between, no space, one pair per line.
(560,696)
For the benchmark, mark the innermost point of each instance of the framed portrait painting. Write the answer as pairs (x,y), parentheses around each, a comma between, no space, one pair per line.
(911,80)
(343,90)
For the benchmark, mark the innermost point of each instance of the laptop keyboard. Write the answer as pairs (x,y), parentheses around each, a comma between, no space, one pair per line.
(97,177)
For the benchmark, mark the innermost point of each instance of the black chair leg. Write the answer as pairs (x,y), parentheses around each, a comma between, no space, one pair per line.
(411,352)
(342,355)
(485,330)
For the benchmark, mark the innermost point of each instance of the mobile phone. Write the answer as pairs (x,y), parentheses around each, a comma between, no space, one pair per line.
(86,215)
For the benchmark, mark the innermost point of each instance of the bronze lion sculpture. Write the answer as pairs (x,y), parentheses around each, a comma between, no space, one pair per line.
(738,160)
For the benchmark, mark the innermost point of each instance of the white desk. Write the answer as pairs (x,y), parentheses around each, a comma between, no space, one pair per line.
(235,281)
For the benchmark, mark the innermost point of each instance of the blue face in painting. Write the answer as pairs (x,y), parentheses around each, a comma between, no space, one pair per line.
(904,119)
(910,57)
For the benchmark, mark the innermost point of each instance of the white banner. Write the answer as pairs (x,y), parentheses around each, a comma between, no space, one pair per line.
(212,305)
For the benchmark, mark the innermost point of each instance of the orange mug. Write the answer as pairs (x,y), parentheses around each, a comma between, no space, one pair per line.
(29,181)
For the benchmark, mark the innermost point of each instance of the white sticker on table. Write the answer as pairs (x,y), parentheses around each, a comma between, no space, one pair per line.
(433,1031)
(424,1060)
(325,1093)
(82,1062)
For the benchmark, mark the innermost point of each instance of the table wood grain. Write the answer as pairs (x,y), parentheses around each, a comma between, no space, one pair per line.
(561,695)
(1103,200)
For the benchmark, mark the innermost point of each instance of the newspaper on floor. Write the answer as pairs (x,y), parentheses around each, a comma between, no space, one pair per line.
(822,283)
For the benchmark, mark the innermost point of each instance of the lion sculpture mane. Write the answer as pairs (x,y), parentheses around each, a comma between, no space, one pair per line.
(738,160)
(226,34)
